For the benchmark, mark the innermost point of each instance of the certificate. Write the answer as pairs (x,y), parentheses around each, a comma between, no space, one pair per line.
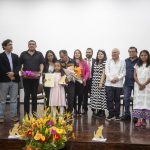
(49,80)
(63,80)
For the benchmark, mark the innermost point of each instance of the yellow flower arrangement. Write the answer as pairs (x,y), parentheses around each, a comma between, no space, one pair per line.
(78,72)
(46,132)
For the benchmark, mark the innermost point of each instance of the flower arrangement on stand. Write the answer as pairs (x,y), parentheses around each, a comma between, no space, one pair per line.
(46,132)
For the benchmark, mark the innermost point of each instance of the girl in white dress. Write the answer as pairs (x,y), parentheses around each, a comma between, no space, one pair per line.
(141,107)
(57,93)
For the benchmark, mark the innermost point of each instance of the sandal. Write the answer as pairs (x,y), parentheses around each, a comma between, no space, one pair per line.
(138,124)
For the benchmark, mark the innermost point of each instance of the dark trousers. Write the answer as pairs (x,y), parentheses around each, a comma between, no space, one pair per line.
(30,88)
(79,90)
(70,91)
(47,95)
(127,95)
(113,100)
(87,90)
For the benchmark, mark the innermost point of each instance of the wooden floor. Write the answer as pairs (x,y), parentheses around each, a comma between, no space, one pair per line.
(120,135)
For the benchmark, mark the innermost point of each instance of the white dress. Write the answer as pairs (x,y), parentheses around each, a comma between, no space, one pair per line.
(142,97)
(57,93)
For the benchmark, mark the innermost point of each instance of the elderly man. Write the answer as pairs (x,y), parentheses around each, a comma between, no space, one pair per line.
(115,72)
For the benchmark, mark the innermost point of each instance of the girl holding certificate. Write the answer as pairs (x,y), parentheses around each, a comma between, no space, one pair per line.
(57,93)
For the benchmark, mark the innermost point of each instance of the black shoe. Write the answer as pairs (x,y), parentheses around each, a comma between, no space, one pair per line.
(126,118)
(94,114)
(117,118)
(135,120)
(84,113)
(75,113)
(109,118)
(79,112)
(101,114)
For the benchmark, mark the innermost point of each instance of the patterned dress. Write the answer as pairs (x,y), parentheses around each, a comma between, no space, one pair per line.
(141,106)
(98,96)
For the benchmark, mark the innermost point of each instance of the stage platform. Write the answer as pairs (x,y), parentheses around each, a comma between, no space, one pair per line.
(120,135)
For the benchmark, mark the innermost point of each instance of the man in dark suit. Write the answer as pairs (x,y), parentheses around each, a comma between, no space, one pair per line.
(87,90)
(9,79)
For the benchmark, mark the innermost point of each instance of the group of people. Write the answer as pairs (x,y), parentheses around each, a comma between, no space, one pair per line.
(103,81)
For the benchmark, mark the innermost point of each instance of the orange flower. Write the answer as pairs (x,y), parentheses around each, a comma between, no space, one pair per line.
(77,71)
(29,133)
(37,136)
(29,147)
(43,138)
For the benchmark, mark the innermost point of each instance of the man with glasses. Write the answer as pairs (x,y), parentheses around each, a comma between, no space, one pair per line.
(129,81)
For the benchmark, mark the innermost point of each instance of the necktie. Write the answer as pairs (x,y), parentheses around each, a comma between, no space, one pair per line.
(89,64)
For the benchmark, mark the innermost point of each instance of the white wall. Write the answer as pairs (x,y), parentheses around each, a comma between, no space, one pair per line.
(72,24)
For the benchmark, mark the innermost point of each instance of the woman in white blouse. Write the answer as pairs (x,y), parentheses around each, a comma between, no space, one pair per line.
(50,59)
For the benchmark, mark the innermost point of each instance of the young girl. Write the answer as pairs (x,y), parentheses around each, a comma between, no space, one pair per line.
(79,87)
(98,93)
(57,93)
(141,107)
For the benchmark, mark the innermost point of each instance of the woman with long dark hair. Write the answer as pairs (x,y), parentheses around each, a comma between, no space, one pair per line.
(141,107)
(79,87)
(50,59)
(98,93)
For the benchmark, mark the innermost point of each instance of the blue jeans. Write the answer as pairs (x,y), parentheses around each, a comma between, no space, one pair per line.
(127,95)
(10,88)
(113,100)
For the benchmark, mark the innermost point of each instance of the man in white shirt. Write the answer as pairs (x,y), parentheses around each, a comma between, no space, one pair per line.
(115,72)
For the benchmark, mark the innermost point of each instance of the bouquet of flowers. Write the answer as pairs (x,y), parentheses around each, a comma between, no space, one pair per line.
(46,132)
(78,74)
(74,73)
(30,74)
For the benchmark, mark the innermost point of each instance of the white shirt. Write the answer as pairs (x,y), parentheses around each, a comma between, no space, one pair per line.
(50,69)
(10,60)
(89,61)
(115,69)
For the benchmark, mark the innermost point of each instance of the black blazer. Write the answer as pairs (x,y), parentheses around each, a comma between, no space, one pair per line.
(5,67)
(46,66)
